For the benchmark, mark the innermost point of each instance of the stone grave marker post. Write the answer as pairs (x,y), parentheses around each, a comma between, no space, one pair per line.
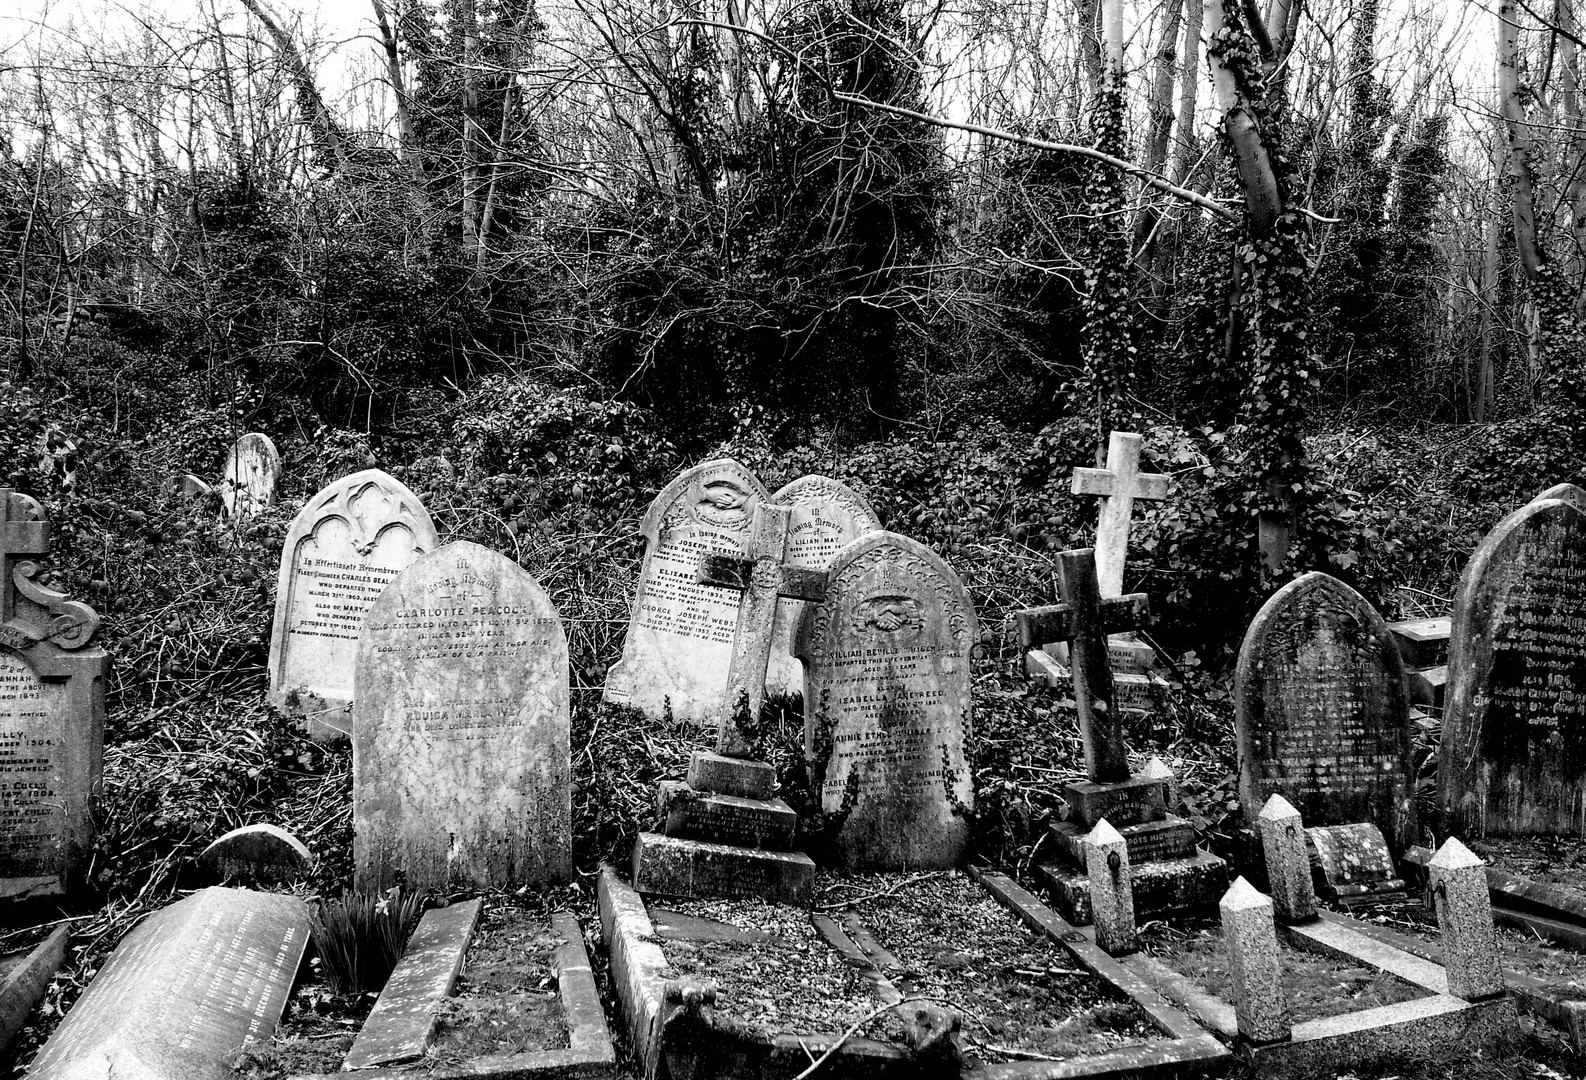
(253,467)
(1464,917)
(1288,865)
(52,715)
(1513,754)
(341,551)
(1251,938)
(461,752)
(1111,898)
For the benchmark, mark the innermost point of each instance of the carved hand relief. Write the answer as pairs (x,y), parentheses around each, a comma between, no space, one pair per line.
(900,616)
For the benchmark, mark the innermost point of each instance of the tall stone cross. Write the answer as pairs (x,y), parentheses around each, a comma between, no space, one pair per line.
(1119,485)
(1084,619)
(762,577)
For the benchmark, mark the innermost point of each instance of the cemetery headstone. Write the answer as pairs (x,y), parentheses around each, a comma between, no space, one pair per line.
(1322,715)
(1570,493)
(1513,753)
(826,514)
(678,649)
(887,705)
(52,715)
(461,756)
(252,470)
(184,991)
(343,548)
(1423,643)
(1354,861)
(266,854)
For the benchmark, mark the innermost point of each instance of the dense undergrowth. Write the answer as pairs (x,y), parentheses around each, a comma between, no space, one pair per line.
(558,481)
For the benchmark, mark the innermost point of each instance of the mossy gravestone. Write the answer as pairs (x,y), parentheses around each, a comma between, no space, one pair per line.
(887,705)
(678,650)
(460,729)
(343,547)
(1513,753)
(825,515)
(1322,715)
(52,715)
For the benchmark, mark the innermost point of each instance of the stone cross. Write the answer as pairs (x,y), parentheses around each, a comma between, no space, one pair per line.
(1084,619)
(762,577)
(1119,485)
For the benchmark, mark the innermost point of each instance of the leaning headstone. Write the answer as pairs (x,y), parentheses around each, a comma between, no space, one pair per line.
(1513,752)
(887,704)
(52,715)
(186,990)
(252,469)
(461,759)
(1354,861)
(1464,917)
(1251,938)
(266,854)
(825,515)
(1322,716)
(676,656)
(343,548)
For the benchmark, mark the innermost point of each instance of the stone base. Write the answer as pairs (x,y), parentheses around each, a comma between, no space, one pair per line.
(1160,888)
(721,775)
(1153,841)
(673,866)
(1427,686)
(1134,801)
(726,819)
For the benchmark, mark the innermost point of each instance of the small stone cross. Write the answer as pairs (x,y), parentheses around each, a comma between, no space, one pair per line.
(1119,485)
(1084,619)
(762,577)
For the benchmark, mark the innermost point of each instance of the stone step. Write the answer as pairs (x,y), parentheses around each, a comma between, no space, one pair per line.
(1161,888)
(1151,841)
(722,775)
(672,866)
(1126,802)
(725,819)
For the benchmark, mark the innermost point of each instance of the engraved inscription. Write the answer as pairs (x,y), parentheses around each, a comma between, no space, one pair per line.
(32,813)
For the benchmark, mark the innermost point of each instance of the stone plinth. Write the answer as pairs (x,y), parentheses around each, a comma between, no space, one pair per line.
(1251,938)
(676,867)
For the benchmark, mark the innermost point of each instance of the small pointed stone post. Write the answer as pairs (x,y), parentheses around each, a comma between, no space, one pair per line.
(1464,916)
(1251,938)
(1111,894)
(1157,769)
(1288,864)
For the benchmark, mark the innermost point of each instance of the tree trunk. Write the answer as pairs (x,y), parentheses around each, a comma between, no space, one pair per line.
(1263,198)
(1160,130)
(1574,132)
(321,124)
(1189,93)
(472,241)
(1522,183)
(1486,299)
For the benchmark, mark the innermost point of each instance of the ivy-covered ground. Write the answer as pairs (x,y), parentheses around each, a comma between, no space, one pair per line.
(558,481)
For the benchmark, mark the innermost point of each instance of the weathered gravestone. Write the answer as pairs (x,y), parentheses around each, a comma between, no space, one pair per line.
(1513,754)
(1322,716)
(1570,493)
(252,469)
(184,991)
(887,705)
(344,546)
(826,514)
(680,632)
(461,767)
(263,853)
(52,715)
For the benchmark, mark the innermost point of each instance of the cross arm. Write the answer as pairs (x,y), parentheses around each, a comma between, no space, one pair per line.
(1056,622)
(1100,482)
(736,572)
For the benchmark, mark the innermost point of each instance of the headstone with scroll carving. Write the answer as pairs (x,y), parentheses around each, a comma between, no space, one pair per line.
(678,650)
(1322,713)
(887,705)
(461,760)
(343,548)
(1513,753)
(52,715)
(253,468)
(826,514)
(187,989)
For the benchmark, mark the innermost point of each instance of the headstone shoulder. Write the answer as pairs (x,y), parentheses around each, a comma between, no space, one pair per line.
(721,488)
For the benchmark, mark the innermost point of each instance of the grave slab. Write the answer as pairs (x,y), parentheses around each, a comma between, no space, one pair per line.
(461,753)
(1134,801)
(1321,712)
(260,853)
(184,991)
(1513,753)
(745,778)
(888,713)
(341,551)
(672,866)
(678,648)
(253,468)
(1170,838)
(1161,888)
(402,1023)
(726,819)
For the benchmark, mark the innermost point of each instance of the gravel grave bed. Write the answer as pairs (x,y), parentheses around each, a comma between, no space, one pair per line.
(1315,985)
(1557,860)
(506,1000)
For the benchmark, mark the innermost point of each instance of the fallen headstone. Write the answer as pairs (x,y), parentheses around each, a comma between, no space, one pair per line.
(678,648)
(24,977)
(461,766)
(187,989)
(266,854)
(252,469)
(52,715)
(341,551)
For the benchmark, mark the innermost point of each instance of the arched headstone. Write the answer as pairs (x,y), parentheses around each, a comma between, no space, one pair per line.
(343,547)
(1570,493)
(887,705)
(1322,713)
(1513,753)
(461,753)
(826,514)
(678,650)
(252,469)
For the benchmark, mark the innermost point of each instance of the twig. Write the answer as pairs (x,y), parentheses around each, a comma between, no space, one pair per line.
(905,883)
